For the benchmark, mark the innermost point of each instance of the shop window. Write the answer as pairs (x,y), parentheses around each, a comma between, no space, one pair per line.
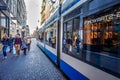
(3,20)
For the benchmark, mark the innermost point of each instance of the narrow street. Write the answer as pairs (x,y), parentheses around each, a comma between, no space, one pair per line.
(33,66)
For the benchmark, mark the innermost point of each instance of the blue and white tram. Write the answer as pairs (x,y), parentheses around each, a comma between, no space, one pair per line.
(89,41)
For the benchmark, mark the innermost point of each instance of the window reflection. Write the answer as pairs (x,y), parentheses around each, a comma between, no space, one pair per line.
(50,35)
(72,37)
(102,35)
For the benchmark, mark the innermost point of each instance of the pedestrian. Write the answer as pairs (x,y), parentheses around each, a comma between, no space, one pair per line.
(11,40)
(18,43)
(24,45)
(28,43)
(5,41)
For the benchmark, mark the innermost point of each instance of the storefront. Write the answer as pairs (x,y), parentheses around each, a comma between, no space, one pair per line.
(102,31)
(3,24)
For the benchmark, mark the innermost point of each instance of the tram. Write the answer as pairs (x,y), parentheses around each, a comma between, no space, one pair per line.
(86,45)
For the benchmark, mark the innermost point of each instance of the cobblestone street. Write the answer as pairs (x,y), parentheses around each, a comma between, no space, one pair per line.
(33,66)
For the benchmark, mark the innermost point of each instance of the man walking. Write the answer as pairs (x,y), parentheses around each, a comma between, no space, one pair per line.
(11,40)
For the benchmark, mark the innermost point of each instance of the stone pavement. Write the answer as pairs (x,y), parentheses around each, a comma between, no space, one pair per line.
(33,66)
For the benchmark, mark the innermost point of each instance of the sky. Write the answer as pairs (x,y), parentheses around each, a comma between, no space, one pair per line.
(33,13)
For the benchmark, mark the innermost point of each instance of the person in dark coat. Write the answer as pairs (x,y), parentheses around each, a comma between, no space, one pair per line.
(11,40)
(5,42)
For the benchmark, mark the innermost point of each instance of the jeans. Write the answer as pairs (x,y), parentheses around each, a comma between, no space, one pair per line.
(5,50)
(11,48)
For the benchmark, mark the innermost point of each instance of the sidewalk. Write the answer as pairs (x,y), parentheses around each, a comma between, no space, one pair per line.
(33,66)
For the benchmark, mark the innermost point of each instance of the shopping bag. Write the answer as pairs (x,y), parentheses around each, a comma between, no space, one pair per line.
(70,49)
(14,50)
(1,46)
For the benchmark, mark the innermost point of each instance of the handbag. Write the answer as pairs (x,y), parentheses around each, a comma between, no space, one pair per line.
(14,50)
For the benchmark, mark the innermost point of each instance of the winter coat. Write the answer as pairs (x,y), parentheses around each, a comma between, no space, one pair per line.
(5,41)
(18,41)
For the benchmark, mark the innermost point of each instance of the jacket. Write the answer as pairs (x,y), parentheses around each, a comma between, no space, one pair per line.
(5,41)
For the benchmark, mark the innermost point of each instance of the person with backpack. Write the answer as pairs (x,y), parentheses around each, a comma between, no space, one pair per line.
(24,45)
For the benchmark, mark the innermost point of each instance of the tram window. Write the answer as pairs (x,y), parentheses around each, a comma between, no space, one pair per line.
(72,37)
(50,37)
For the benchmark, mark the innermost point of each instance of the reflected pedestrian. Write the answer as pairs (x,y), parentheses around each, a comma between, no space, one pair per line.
(78,45)
(64,44)
(5,41)
(69,43)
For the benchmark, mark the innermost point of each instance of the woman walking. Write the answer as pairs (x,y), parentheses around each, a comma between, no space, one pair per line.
(5,42)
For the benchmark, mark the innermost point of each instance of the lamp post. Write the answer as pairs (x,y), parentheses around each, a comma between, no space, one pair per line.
(58,32)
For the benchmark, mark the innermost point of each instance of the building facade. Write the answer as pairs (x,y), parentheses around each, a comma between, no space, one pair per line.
(43,11)
(21,15)
(15,14)
(48,8)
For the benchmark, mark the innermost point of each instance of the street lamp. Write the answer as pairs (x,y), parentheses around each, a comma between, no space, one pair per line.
(58,32)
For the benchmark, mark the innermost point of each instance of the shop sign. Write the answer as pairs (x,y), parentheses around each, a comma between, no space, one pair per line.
(104,18)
